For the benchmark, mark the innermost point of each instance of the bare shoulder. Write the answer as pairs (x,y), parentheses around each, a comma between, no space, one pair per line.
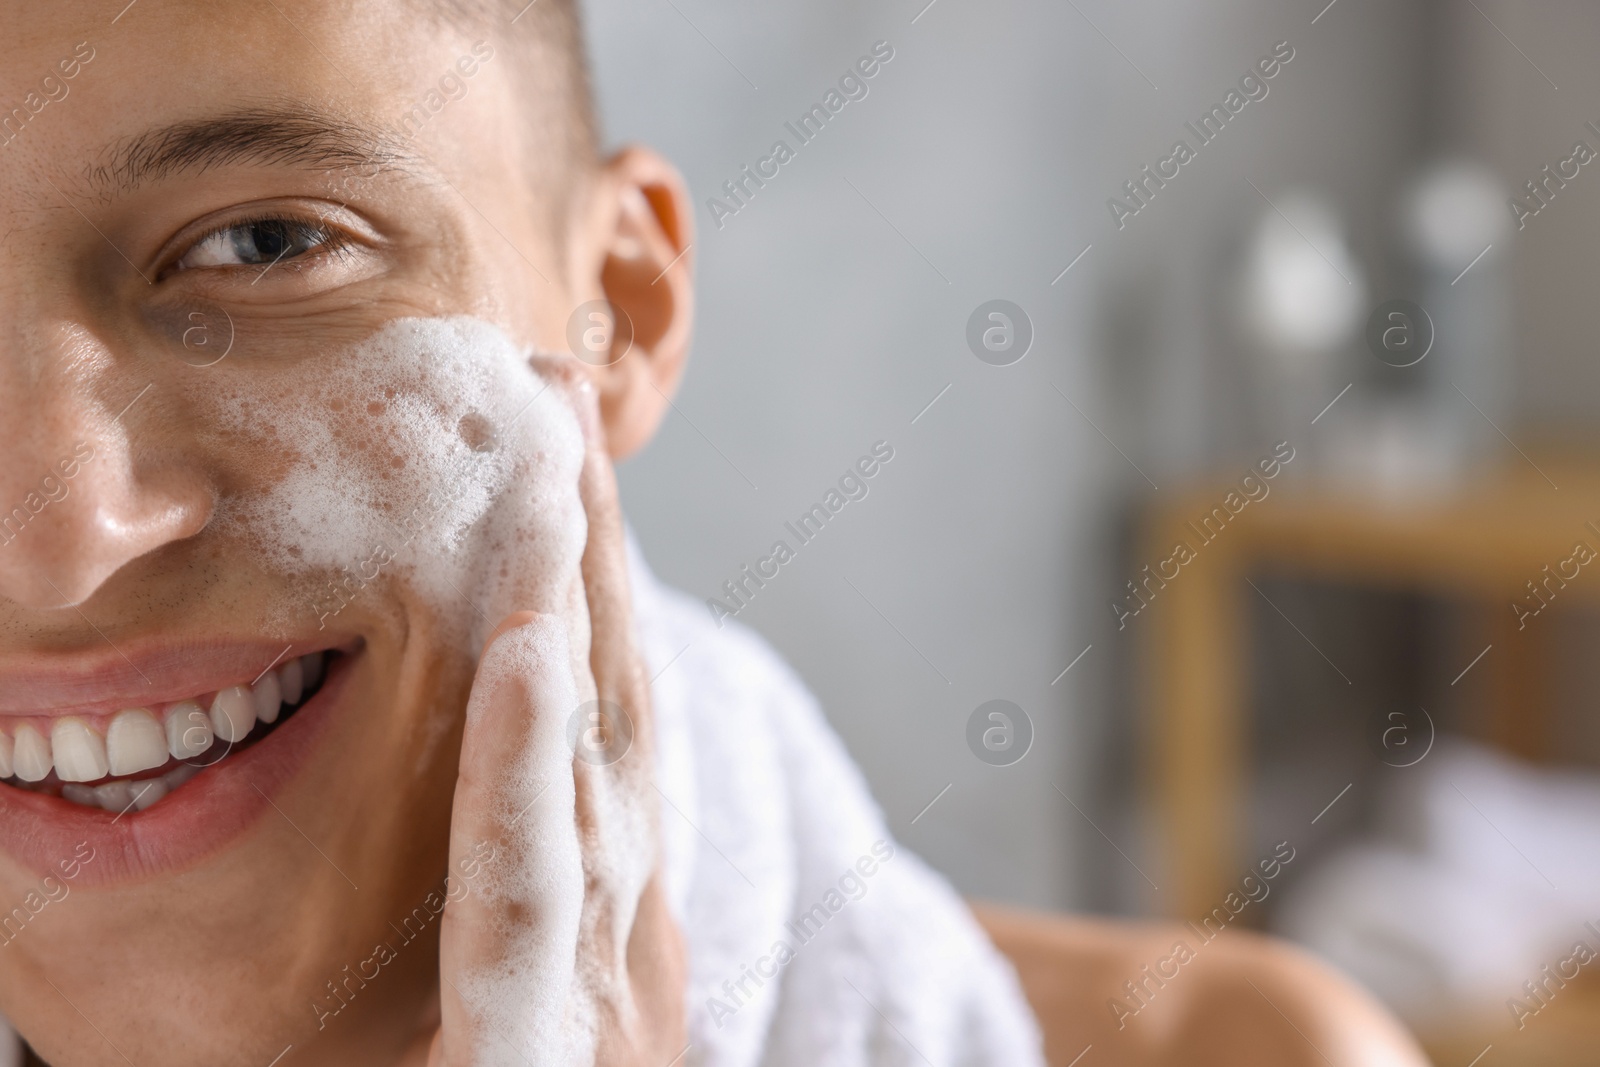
(1148,994)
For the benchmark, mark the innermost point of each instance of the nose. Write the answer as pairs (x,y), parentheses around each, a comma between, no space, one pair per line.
(89,482)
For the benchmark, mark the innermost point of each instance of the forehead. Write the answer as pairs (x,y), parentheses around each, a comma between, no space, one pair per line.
(79,81)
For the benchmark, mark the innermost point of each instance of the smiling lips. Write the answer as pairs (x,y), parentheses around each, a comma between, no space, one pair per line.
(164,746)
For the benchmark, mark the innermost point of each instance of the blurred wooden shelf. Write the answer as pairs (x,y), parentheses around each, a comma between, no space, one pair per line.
(1564,1034)
(1481,543)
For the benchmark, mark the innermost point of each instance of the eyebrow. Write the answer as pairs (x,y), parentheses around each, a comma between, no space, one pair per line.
(281,136)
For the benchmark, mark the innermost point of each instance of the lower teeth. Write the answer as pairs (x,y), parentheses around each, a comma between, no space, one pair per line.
(126,795)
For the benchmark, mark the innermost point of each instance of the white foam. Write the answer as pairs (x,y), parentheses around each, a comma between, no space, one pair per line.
(431,455)
(432,442)
(531,1002)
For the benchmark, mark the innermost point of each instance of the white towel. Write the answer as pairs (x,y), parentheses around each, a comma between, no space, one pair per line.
(1490,871)
(764,815)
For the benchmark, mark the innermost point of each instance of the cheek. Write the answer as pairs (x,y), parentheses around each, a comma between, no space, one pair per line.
(436,720)
(433,439)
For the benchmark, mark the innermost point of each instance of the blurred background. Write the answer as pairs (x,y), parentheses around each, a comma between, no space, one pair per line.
(1337,348)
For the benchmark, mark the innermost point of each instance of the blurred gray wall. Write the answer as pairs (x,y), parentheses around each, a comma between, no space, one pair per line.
(1518,93)
(833,308)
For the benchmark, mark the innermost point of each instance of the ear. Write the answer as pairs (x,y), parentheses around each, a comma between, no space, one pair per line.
(634,251)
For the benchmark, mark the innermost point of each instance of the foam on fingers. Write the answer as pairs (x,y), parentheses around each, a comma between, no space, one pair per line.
(510,942)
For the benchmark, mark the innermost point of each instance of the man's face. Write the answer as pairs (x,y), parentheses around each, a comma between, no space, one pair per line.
(203,202)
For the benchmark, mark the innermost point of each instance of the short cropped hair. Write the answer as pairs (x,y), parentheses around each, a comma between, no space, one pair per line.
(551,70)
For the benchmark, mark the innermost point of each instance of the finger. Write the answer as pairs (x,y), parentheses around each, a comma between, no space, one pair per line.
(658,970)
(627,932)
(516,893)
(510,622)
(627,921)
(615,799)
(614,660)
(532,544)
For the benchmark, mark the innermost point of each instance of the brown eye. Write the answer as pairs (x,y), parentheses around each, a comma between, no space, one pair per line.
(257,243)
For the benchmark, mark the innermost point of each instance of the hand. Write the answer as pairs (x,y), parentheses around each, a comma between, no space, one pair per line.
(560,948)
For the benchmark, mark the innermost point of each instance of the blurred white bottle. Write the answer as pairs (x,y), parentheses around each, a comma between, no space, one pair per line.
(1302,298)
(1455,224)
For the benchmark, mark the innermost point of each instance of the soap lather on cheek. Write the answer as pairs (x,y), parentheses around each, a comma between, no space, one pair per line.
(430,453)
(436,440)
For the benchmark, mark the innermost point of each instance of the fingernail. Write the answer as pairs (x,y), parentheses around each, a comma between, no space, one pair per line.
(510,622)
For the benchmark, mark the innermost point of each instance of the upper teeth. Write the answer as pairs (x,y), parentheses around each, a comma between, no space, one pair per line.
(138,739)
